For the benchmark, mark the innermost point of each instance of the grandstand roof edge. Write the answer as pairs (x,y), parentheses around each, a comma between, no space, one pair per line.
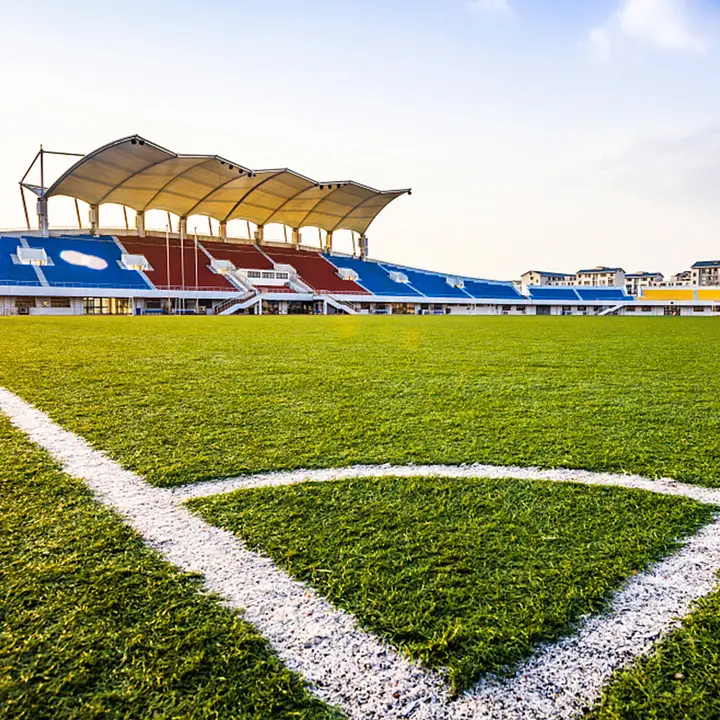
(143,175)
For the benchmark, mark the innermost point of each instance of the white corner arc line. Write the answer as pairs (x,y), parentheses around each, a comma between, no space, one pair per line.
(663,486)
(352,669)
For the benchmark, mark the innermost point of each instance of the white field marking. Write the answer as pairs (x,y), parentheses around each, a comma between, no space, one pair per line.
(664,486)
(353,669)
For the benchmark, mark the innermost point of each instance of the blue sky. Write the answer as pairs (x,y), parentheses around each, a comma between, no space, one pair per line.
(534,134)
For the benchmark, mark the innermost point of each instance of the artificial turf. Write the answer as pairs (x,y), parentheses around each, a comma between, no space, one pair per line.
(680,679)
(466,575)
(93,624)
(182,399)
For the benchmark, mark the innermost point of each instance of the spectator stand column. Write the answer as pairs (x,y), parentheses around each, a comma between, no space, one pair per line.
(42,213)
(94,220)
(183,232)
(140,223)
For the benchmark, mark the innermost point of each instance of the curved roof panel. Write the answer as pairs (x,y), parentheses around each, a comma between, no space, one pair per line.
(144,176)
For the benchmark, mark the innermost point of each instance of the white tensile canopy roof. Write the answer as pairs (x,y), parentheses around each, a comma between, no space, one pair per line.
(144,176)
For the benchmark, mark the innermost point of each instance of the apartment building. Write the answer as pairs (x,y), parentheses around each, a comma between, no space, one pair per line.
(705,272)
(541,277)
(601,276)
(635,281)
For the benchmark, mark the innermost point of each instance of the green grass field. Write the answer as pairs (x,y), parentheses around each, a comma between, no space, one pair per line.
(463,574)
(93,624)
(182,399)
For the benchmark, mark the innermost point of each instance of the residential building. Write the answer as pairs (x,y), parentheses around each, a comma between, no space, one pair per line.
(706,272)
(601,276)
(641,279)
(541,277)
(681,279)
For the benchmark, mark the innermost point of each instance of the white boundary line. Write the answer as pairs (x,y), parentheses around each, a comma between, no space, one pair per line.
(353,669)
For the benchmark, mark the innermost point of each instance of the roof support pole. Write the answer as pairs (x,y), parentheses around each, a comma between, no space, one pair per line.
(260,235)
(223,229)
(363,247)
(94,219)
(22,197)
(42,213)
(140,222)
(328,241)
(296,237)
(77,212)
(42,206)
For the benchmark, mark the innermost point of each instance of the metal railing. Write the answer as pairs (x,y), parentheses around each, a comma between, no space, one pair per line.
(98,286)
(232,300)
(18,283)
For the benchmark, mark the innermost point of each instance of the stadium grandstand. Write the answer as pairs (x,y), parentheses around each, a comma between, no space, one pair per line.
(140,270)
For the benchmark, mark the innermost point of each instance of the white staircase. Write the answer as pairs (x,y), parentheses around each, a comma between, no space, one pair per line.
(238,302)
(339,305)
(296,284)
(611,310)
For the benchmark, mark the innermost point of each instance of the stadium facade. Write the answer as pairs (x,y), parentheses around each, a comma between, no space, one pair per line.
(91,270)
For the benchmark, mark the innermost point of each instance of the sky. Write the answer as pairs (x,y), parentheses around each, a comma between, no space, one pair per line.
(544,135)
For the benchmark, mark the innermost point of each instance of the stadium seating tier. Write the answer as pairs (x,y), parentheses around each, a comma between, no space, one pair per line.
(155,251)
(491,291)
(315,270)
(600,294)
(242,256)
(431,285)
(374,277)
(662,294)
(10,273)
(553,293)
(82,261)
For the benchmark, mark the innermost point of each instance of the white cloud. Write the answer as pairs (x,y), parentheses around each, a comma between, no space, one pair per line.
(495,7)
(664,24)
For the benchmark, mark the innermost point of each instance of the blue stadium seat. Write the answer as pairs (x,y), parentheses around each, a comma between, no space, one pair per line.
(10,273)
(492,291)
(85,261)
(553,293)
(373,277)
(427,283)
(609,294)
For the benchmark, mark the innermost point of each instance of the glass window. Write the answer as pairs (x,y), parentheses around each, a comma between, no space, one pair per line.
(106,306)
